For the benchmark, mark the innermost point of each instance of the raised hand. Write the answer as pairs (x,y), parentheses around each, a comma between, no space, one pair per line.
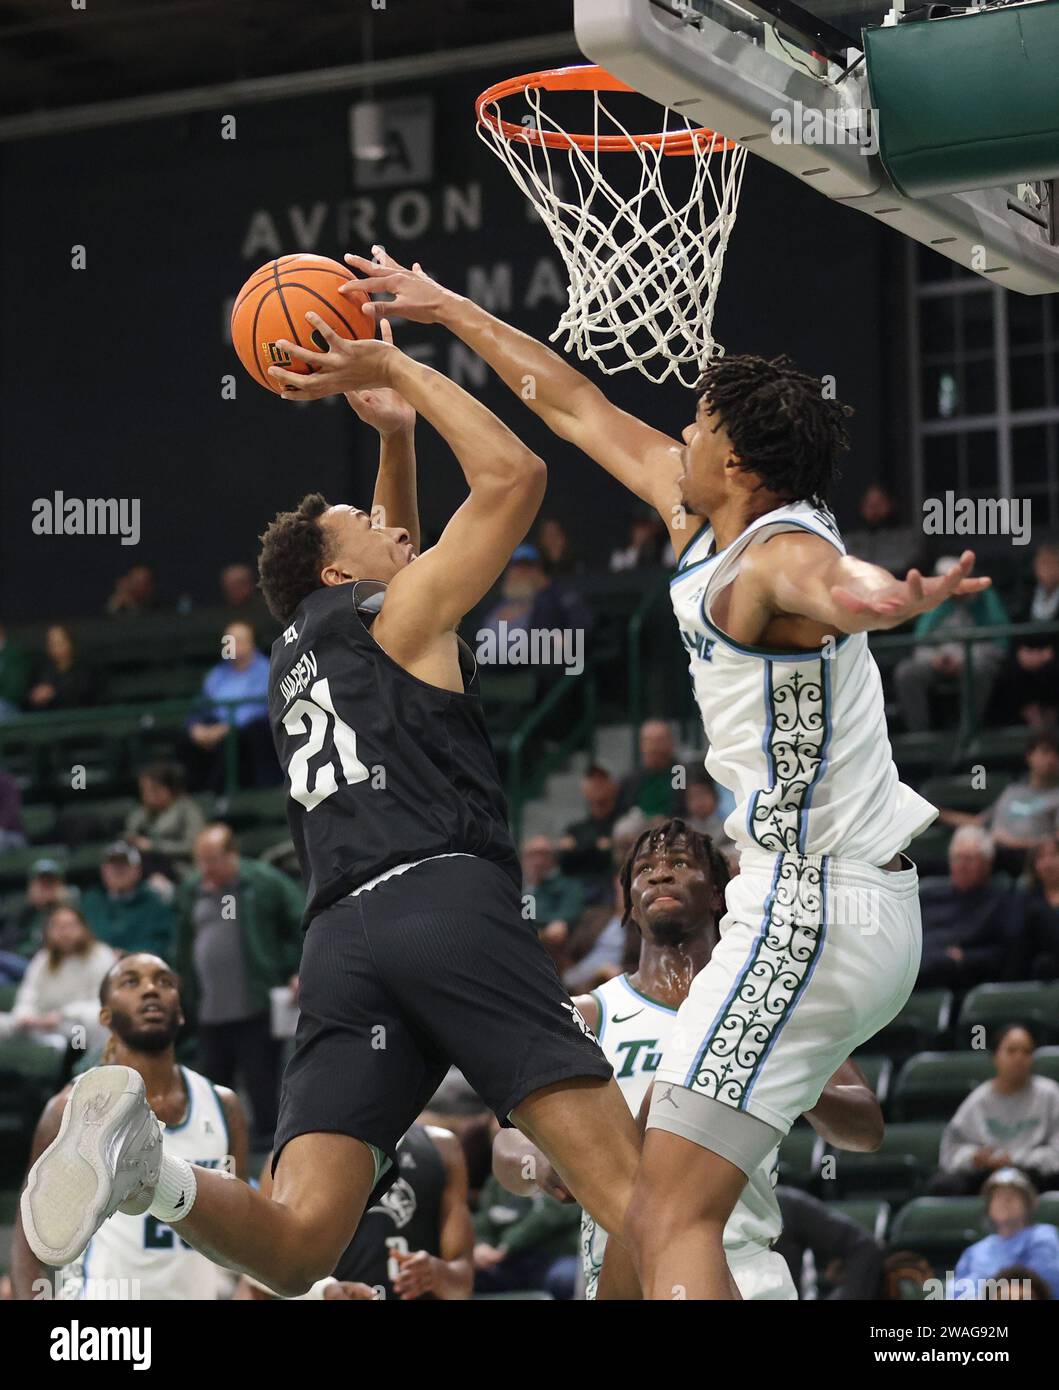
(889,605)
(416,296)
(381,407)
(348,365)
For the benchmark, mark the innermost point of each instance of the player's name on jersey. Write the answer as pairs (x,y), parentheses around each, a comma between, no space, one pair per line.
(60,515)
(300,676)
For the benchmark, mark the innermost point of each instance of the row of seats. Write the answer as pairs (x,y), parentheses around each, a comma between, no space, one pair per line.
(931,1085)
(931,1021)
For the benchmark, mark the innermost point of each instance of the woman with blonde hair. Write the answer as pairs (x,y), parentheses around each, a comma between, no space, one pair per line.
(60,989)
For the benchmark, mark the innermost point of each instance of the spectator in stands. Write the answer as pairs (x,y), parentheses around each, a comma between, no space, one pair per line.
(585,846)
(60,989)
(1042,911)
(1010,1200)
(554,546)
(525,1242)
(657,787)
(701,813)
(881,538)
(648,545)
(127,913)
(15,668)
(1012,1120)
(164,825)
(553,901)
(12,831)
(847,1263)
(1028,687)
(238,937)
(63,681)
(1026,813)
(134,592)
(531,601)
(243,599)
(241,676)
(967,921)
(933,665)
(46,888)
(597,944)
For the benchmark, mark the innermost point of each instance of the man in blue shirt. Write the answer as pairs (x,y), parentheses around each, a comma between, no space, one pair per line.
(1011,1198)
(241,676)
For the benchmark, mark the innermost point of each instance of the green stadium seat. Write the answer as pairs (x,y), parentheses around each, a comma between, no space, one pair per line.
(873,1216)
(878,1071)
(260,838)
(39,823)
(923,1022)
(82,819)
(940,1228)
(898,1170)
(918,754)
(15,863)
(1033,1003)
(1000,748)
(932,1085)
(799,1158)
(1046,1062)
(265,806)
(957,793)
(930,851)
(7,998)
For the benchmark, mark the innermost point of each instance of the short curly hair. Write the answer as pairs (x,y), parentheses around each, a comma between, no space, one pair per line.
(294,549)
(701,848)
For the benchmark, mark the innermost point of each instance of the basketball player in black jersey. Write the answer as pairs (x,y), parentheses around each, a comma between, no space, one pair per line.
(416,955)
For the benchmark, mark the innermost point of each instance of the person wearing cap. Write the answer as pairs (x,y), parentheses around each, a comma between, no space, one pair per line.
(23,928)
(933,663)
(1016,1240)
(125,912)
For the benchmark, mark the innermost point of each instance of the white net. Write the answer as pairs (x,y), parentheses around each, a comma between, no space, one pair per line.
(644,264)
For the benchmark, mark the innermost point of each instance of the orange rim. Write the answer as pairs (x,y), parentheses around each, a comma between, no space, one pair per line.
(586,77)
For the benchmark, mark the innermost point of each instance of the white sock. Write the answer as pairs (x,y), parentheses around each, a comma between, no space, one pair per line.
(175,1193)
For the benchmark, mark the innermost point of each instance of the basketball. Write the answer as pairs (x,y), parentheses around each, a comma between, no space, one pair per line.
(273,304)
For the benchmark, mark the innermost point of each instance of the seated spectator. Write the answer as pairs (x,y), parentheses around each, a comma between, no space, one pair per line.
(12,831)
(15,668)
(648,545)
(243,599)
(554,546)
(1028,686)
(598,944)
(242,677)
(46,887)
(531,601)
(1010,1199)
(585,845)
(657,787)
(523,1243)
(164,825)
(1025,813)
(60,989)
(127,913)
(1041,913)
(967,921)
(238,937)
(846,1262)
(63,681)
(1011,1121)
(134,592)
(931,665)
(554,900)
(881,538)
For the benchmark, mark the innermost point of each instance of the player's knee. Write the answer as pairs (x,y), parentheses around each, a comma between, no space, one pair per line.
(655,1217)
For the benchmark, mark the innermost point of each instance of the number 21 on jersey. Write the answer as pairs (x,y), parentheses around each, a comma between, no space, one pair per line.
(313,716)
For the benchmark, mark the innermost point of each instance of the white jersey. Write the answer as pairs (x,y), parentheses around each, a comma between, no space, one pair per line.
(799,738)
(633,1031)
(137,1257)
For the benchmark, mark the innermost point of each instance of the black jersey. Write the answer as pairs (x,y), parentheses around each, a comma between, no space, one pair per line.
(382,768)
(406,1218)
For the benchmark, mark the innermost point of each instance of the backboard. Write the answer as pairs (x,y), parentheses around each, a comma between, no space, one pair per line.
(770,73)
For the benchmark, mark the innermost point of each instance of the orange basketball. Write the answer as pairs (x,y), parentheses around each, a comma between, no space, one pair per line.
(273,304)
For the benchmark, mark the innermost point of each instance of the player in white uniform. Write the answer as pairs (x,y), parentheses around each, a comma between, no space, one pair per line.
(775,614)
(136,1256)
(673,890)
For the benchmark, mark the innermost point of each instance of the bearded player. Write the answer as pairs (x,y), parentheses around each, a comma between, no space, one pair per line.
(821,941)
(416,955)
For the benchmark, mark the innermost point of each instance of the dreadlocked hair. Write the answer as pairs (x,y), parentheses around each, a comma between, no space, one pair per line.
(294,549)
(781,425)
(700,847)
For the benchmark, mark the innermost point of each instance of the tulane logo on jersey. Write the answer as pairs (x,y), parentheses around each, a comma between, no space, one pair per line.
(698,644)
(636,1055)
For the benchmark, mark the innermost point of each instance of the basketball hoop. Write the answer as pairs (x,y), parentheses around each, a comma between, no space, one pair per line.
(644,265)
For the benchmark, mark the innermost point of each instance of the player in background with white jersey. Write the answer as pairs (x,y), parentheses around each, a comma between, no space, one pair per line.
(137,1257)
(673,888)
(821,942)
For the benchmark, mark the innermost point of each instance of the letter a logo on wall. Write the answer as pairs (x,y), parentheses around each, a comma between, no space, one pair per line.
(392,142)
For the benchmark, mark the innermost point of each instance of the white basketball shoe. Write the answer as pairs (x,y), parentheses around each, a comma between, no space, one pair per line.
(105,1158)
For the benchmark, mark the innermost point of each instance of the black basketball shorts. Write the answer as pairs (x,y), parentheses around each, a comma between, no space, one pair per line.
(431,967)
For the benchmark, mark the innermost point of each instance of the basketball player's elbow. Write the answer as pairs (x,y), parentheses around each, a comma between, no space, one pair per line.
(519,474)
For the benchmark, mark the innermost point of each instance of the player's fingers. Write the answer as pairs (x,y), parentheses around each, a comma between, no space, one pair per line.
(295,380)
(848,600)
(386,330)
(975,585)
(303,354)
(330,337)
(371,270)
(915,586)
(383,257)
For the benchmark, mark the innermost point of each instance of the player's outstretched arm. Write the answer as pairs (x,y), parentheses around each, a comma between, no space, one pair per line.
(848,1115)
(644,459)
(795,573)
